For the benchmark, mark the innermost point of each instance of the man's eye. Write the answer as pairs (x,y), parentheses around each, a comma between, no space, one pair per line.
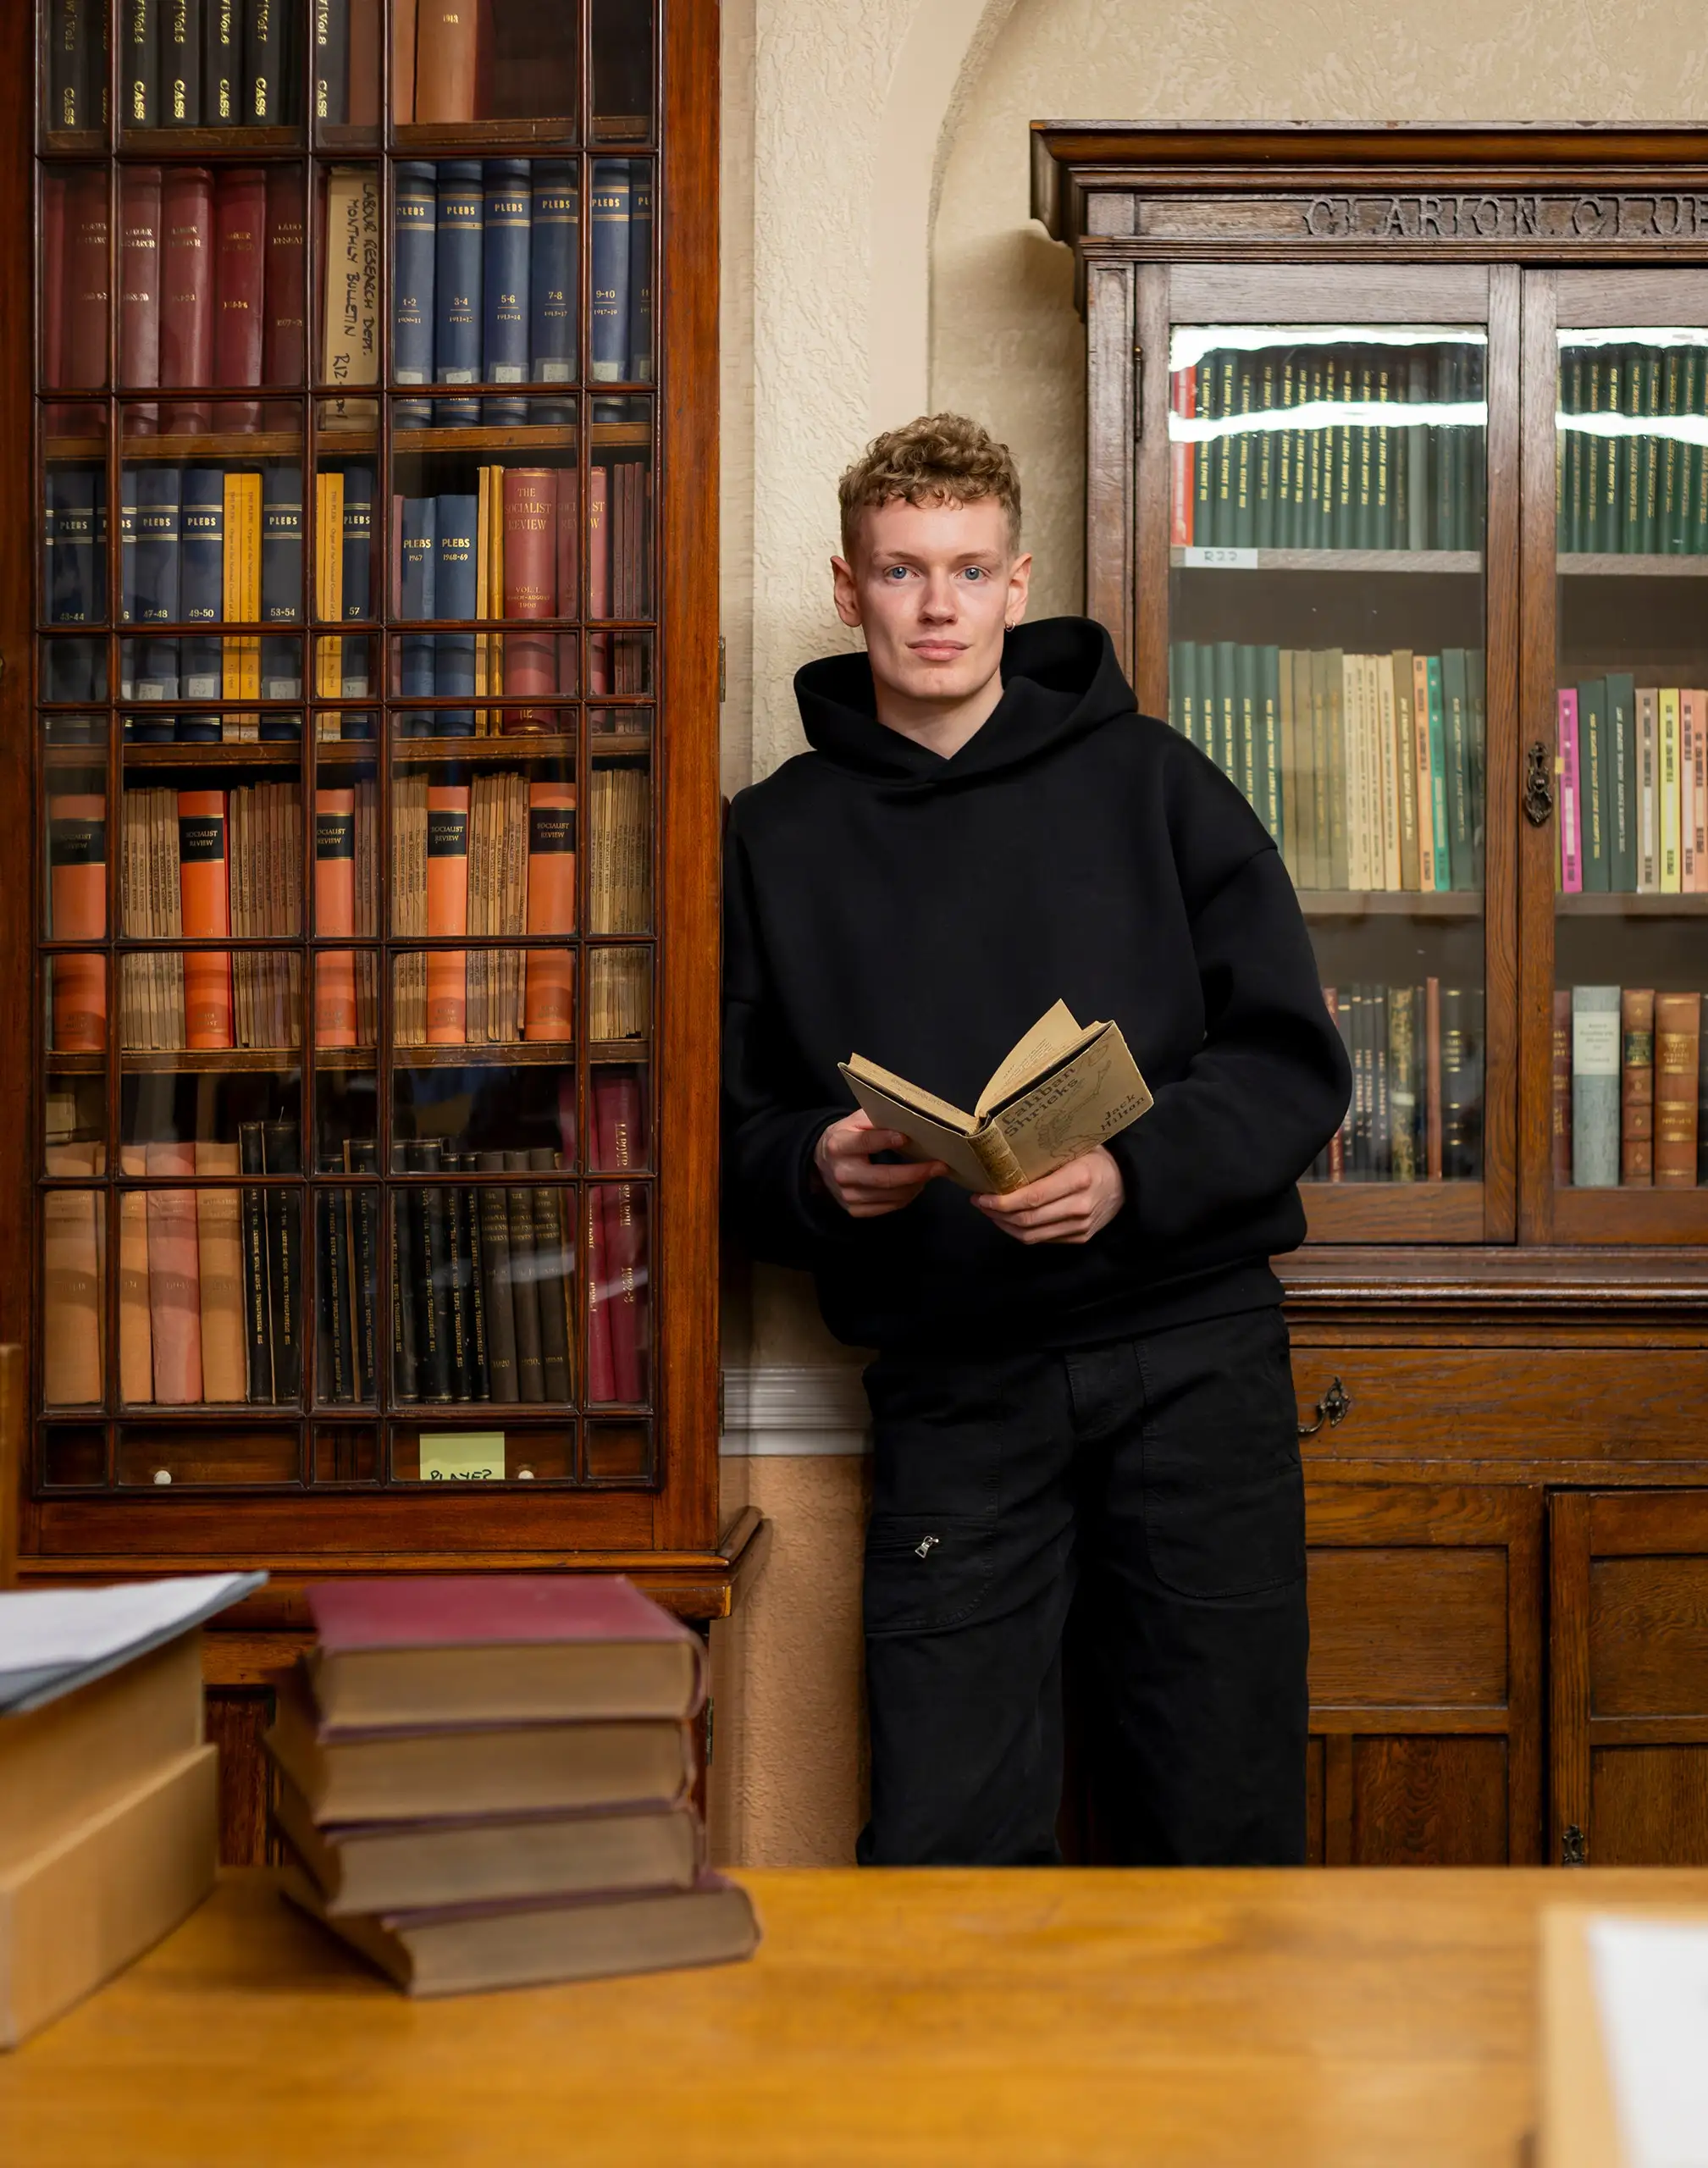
(895,574)
(975,573)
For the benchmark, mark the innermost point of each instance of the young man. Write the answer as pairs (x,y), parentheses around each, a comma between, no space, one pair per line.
(1085,1382)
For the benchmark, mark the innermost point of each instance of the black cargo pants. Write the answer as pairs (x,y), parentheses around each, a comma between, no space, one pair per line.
(1159,1479)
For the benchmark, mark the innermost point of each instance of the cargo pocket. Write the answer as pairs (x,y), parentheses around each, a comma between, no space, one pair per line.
(925,1571)
(1224,1488)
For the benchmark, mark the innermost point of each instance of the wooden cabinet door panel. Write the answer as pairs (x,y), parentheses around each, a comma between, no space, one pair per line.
(1628,1665)
(1526,1403)
(1425,1674)
(236,1721)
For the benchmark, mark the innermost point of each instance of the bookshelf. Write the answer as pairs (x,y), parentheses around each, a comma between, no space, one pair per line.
(359,667)
(1397,507)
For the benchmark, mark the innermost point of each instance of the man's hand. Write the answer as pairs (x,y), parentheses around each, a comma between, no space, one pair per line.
(1069,1206)
(844,1158)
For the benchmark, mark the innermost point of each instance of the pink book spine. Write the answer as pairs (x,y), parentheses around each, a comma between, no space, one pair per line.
(174,1278)
(1571,816)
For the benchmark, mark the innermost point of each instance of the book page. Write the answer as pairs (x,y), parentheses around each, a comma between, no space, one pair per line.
(907,1095)
(927,1138)
(1054,1035)
(60,1637)
(1651,1991)
(1084,1103)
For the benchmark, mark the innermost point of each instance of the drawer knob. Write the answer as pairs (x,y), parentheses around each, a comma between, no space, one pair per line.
(1332,1409)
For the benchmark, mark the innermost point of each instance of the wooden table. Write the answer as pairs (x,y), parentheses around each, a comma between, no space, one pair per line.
(1030,2018)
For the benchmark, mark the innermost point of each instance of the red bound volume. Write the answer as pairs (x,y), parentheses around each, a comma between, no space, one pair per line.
(239,263)
(282,342)
(599,576)
(86,280)
(139,289)
(186,291)
(53,281)
(530,591)
(601,1383)
(568,570)
(453,1610)
(616,1109)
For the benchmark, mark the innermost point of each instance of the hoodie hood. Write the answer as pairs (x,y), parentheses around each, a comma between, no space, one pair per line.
(1060,679)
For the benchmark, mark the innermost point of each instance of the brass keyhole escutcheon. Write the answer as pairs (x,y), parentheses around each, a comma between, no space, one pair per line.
(1539,786)
(1332,1409)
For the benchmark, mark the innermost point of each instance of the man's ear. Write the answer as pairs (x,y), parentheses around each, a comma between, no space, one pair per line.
(1020,586)
(845,591)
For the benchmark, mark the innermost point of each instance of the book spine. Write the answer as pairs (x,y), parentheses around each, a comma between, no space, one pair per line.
(1622,758)
(280,1144)
(503,1383)
(180,63)
(447,48)
(474,1299)
(75,588)
(257,1293)
(1561,1082)
(1637,1087)
(285,328)
(222,62)
(1596,1086)
(139,276)
(616,1095)
(1571,868)
(529,525)
(507,306)
(1677,1053)
(281,550)
(87,276)
(1593,785)
(266,74)
(335,913)
(402,61)
(332,61)
(1669,791)
(350,298)
(139,63)
(415,227)
(359,1157)
(1648,793)
(459,1284)
(54,272)
(553,270)
(608,316)
(356,580)
(365,41)
(640,218)
(1434,1110)
(1459,1094)
(186,290)
(219,1257)
(136,1327)
(333,1352)
(201,578)
(553,1279)
(1457,748)
(77,71)
(456,594)
(407,1241)
(530,1371)
(174,1278)
(72,1285)
(457,289)
(601,1376)
(203,864)
(549,1009)
(77,902)
(447,912)
(416,522)
(568,573)
(431,1277)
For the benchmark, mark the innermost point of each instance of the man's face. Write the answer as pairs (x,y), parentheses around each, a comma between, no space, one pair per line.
(933,586)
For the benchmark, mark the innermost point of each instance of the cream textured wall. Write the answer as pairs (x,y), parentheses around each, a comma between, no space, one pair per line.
(878,258)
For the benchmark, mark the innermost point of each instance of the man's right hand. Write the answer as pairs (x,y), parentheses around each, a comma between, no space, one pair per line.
(844,1158)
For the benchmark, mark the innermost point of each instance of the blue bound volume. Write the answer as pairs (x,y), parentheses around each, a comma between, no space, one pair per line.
(458,290)
(159,553)
(554,272)
(608,318)
(201,582)
(640,269)
(506,273)
(416,601)
(415,224)
(455,568)
(358,561)
(281,590)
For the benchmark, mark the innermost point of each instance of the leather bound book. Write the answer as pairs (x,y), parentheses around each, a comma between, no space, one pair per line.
(77,900)
(222,62)
(402,64)
(599,530)
(444,1650)
(174,1278)
(568,573)
(71,1281)
(135,1328)
(180,63)
(608,315)
(457,287)
(459,1286)
(1677,1051)
(640,270)
(1561,1078)
(53,281)
(530,591)
(505,310)
(601,1377)
(554,272)
(219,1251)
(554,1276)
(87,221)
(447,59)
(474,1282)
(360,1157)
(1637,1086)
(202,874)
(331,101)
(335,913)
(365,38)
(524,1291)
(436,1366)
(618,1111)
(139,64)
(447,912)
(333,1351)
(284,341)
(186,290)
(502,1383)
(257,1294)
(549,1008)
(76,66)
(139,286)
(283,1156)
(270,64)
(405,1203)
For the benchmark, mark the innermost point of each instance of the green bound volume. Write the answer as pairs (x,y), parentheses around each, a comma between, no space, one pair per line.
(1456,725)
(1344,517)
(1476,742)
(1331,684)
(1243,494)
(1592,782)
(1180,700)
(1649,510)
(1227,403)
(1269,802)
(1621,765)
(1441,453)
(1248,740)
(1225,750)
(1285,537)
(1675,385)
(1263,453)
(1570,507)
(1204,465)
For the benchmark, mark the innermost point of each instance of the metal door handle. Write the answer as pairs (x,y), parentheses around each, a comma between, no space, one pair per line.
(1332,1409)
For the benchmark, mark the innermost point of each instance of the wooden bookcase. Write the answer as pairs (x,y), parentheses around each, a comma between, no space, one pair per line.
(1501,1369)
(347,1454)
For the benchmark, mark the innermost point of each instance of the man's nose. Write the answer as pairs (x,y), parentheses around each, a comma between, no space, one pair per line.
(939,600)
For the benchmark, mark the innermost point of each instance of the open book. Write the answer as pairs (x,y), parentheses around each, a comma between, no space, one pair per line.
(1065,1088)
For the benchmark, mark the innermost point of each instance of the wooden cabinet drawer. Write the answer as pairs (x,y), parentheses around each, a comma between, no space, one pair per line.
(1503,1404)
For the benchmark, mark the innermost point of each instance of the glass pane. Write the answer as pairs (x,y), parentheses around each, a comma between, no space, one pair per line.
(347,1269)
(619,545)
(619,1452)
(74,1099)
(1328,610)
(618,1311)
(466,1098)
(617,1118)
(73,1282)
(73,670)
(621,69)
(1631,768)
(619,879)
(161,1458)
(74,531)
(620,269)
(483,1298)
(74,1456)
(76,218)
(345,1452)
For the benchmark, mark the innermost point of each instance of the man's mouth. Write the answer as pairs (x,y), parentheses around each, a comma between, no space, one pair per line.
(937,650)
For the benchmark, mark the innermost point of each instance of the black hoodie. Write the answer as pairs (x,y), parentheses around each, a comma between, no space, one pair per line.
(924,912)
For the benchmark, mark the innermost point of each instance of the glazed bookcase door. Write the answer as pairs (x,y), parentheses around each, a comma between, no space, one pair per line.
(1617,876)
(1336,640)
(372,749)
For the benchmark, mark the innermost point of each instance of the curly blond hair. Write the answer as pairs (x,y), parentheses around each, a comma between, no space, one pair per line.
(938,459)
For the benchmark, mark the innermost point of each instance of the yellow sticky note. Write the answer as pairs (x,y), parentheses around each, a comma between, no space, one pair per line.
(462,1456)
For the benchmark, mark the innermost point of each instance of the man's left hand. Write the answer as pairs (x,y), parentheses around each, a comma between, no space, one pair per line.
(1069,1206)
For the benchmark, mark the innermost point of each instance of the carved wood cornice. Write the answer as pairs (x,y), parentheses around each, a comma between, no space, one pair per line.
(1447,1285)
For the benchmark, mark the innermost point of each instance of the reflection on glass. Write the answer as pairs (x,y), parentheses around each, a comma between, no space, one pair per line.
(483,1280)
(74,1111)
(74,543)
(1416,1052)
(72,669)
(76,887)
(618,1354)
(619,1452)
(621,35)
(1632,424)
(618,1113)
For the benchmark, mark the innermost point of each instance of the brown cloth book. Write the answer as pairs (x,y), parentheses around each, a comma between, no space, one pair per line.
(1636,1087)
(466,1948)
(1677,1050)
(1064,1089)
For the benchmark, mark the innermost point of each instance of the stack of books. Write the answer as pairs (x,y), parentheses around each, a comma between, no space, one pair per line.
(484,1782)
(1632,762)
(108,1809)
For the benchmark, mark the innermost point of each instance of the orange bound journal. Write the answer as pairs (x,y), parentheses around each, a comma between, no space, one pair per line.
(77,892)
(447,913)
(549,1009)
(220,1255)
(334,912)
(71,1277)
(204,899)
(174,1278)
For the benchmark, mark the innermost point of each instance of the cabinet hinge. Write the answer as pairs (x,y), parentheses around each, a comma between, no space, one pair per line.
(1138,391)
(720,670)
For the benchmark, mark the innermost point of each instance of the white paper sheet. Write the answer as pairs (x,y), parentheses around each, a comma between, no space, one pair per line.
(53,1638)
(1651,1988)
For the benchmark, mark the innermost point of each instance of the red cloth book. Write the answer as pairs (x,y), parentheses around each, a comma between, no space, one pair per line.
(53,281)
(599,576)
(186,291)
(568,571)
(240,264)
(601,1381)
(284,335)
(139,289)
(438,1611)
(530,591)
(616,1111)
(86,221)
